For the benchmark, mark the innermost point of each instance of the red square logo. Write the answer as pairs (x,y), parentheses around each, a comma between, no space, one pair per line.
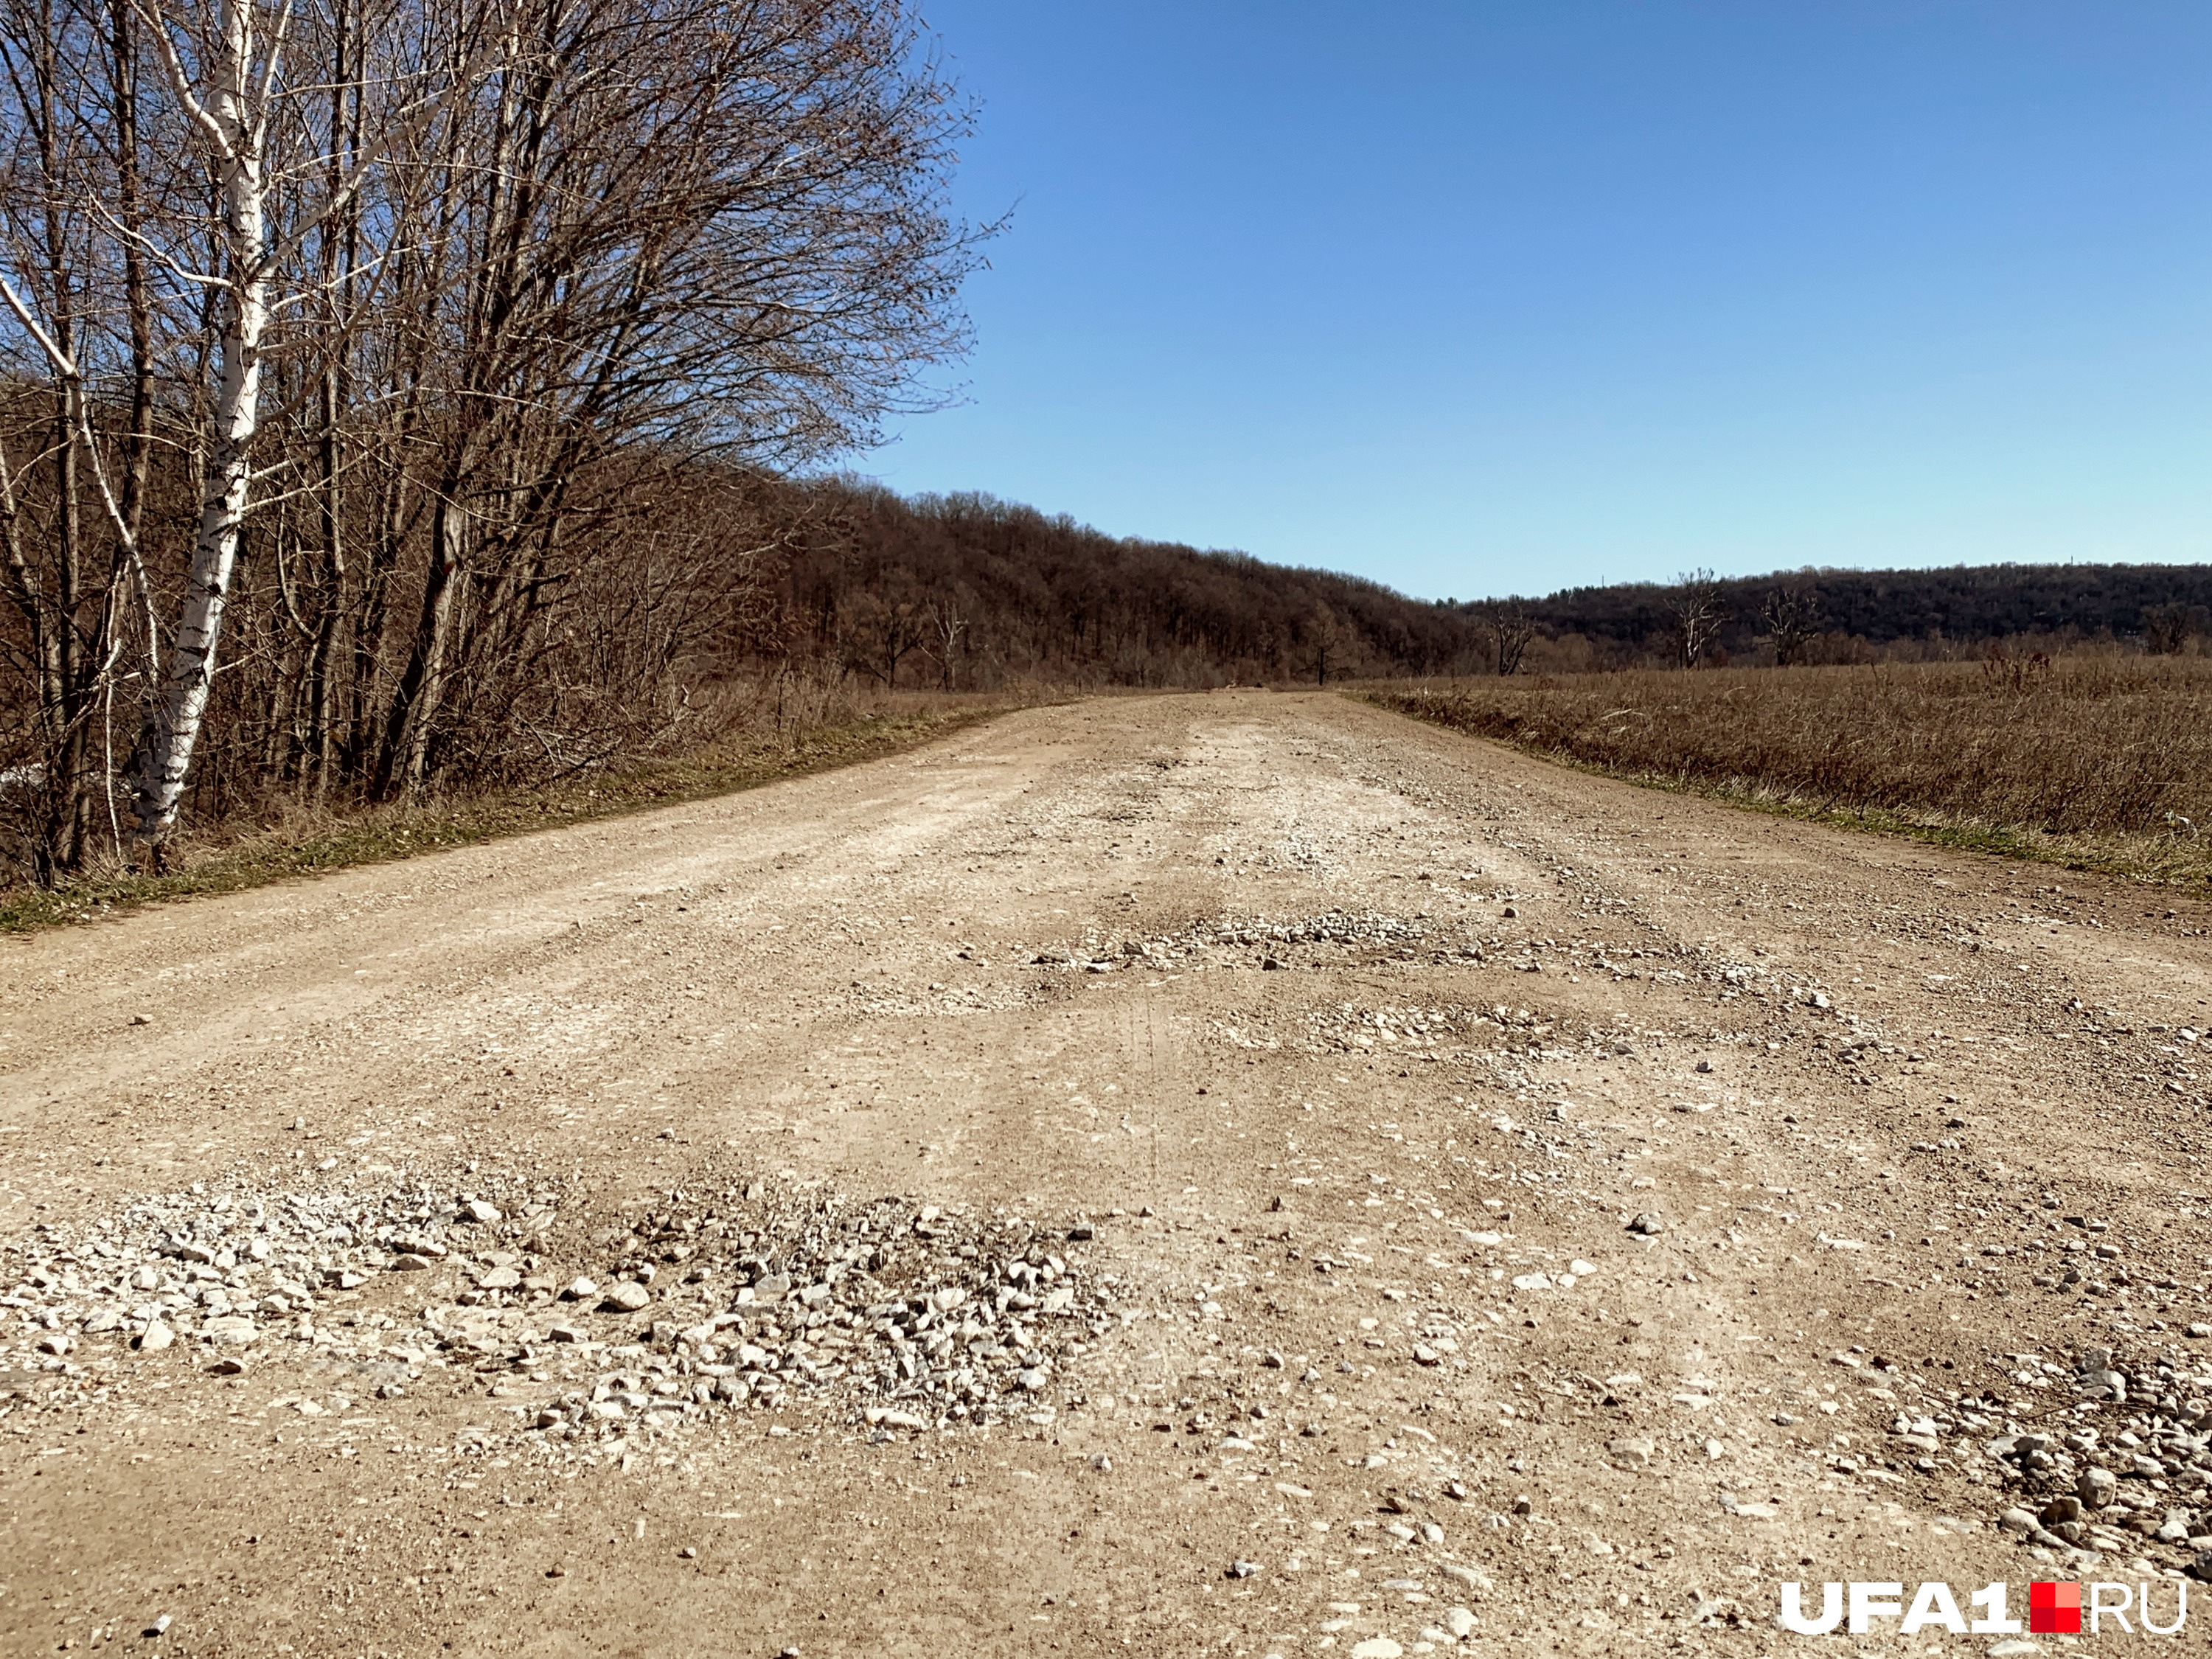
(2054,1609)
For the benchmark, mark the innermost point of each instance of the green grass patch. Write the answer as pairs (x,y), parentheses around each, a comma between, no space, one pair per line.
(304,844)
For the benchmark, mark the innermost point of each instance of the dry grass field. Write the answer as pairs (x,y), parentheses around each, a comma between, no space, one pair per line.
(2100,761)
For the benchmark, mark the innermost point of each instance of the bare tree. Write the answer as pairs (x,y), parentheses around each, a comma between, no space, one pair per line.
(2167,629)
(1792,616)
(1511,628)
(1700,610)
(947,623)
(432,312)
(1325,639)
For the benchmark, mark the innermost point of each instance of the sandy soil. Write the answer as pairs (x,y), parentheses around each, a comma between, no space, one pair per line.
(1363,1335)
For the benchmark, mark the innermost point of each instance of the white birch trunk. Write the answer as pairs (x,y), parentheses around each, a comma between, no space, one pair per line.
(188,677)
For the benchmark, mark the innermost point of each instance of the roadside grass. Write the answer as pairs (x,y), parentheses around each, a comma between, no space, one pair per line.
(2103,766)
(303,843)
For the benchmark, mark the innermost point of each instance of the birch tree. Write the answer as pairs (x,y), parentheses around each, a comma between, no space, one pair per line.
(230,74)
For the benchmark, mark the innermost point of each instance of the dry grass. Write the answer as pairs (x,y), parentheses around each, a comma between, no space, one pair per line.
(301,841)
(2095,762)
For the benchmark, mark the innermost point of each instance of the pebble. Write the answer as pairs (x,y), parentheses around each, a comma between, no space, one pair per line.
(1377,1647)
(627,1297)
(2097,1487)
(1647,1223)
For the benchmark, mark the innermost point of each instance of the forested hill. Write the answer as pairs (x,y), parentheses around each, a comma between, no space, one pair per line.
(966,591)
(1960,605)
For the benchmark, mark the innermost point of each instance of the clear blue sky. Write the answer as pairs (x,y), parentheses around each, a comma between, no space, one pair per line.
(1505,295)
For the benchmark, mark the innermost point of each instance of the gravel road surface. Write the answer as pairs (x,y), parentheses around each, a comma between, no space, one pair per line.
(1242,1174)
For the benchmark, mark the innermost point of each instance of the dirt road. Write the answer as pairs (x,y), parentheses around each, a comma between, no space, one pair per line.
(1242,1174)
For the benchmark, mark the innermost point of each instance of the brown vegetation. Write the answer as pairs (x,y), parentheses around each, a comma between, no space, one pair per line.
(2098,759)
(425,461)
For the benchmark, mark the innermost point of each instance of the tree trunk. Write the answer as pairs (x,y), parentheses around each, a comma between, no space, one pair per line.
(189,675)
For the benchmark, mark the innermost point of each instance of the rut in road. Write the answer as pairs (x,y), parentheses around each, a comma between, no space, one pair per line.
(1237,1173)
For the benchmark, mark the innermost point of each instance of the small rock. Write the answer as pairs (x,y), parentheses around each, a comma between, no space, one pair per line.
(406,1263)
(627,1297)
(53,1343)
(1032,1379)
(476,1210)
(687,1553)
(159,1627)
(502,1279)
(229,1367)
(141,1019)
(1647,1223)
(1634,1450)
(2199,1330)
(1377,1647)
(156,1337)
(2019,1520)
(2097,1487)
(565,1333)
(233,1330)
(1459,1622)
(2201,1568)
(582,1290)
(1242,1569)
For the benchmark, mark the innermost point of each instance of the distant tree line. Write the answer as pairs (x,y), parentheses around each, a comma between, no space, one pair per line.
(1842,615)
